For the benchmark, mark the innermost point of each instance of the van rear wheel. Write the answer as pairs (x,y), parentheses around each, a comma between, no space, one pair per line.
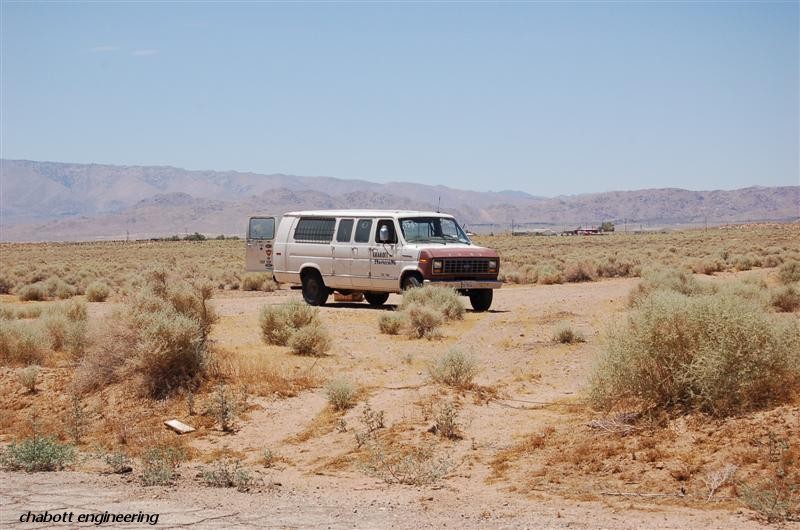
(376,299)
(481,299)
(314,290)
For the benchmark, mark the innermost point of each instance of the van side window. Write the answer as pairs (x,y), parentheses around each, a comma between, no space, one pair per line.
(314,230)
(345,231)
(363,230)
(388,223)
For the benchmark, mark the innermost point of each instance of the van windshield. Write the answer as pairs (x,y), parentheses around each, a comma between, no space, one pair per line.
(432,230)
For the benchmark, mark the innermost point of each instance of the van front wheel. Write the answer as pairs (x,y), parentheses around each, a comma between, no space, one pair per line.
(376,299)
(411,281)
(314,290)
(481,299)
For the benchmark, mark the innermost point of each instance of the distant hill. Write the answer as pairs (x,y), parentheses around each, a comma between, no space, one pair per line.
(51,201)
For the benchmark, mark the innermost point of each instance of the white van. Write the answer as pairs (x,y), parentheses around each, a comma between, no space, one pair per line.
(374,252)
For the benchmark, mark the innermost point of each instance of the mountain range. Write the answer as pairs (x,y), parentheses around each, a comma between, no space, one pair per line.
(52,201)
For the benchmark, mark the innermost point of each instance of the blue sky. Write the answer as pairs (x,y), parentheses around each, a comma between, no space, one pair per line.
(549,98)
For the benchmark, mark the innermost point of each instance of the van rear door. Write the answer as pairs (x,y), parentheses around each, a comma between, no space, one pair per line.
(260,243)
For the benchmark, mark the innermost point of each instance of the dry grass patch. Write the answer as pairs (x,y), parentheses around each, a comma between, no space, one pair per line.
(262,376)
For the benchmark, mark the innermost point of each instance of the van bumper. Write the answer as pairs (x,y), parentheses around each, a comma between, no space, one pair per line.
(467,284)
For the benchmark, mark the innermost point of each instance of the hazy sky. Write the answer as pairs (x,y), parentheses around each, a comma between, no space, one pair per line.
(543,97)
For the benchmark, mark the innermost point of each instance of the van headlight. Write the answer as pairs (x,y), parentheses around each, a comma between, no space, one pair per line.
(492,265)
(437,265)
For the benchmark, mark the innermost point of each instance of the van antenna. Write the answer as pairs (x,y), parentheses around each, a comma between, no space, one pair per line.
(439,205)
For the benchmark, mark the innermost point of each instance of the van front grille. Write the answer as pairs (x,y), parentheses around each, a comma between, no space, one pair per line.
(465,266)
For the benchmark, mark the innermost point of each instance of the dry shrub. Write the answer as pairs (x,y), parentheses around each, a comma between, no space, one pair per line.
(665,279)
(7,312)
(717,353)
(110,357)
(55,327)
(21,343)
(708,266)
(170,351)
(422,321)
(192,301)
(525,274)
(789,272)
(29,311)
(97,292)
(312,339)
(32,292)
(423,310)
(391,323)
(258,281)
(566,334)
(415,466)
(442,300)
(160,337)
(786,299)
(614,268)
(582,271)
(280,321)
(454,368)
(27,377)
(6,284)
(549,274)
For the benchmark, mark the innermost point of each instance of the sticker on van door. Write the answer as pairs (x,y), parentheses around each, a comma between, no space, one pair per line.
(380,258)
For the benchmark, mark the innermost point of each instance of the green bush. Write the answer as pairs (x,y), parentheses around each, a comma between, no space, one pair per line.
(423,321)
(454,368)
(280,321)
(549,274)
(666,279)
(717,353)
(341,394)
(311,339)
(39,453)
(97,292)
(228,473)
(442,300)
(391,323)
(159,465)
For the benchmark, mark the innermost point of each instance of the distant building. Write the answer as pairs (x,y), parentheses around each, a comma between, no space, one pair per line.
(583,231)
(534,232)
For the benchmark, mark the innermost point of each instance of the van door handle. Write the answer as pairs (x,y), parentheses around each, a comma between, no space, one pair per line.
(355,250)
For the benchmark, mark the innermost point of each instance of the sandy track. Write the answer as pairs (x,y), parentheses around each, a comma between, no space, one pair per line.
(371,505)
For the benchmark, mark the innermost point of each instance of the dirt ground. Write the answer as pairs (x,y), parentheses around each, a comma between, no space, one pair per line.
(528,387)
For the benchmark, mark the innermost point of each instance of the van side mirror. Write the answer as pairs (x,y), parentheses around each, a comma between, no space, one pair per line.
(383,234)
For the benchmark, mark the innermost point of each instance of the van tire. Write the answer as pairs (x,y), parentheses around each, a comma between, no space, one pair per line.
(376,299)
(314,290)
(411,281)
(481,299)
